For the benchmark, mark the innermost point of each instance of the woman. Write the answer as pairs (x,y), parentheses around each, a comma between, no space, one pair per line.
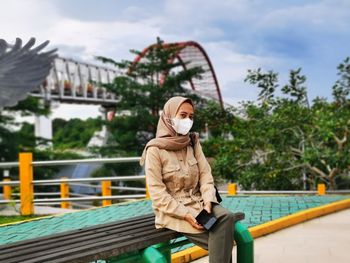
(180,182)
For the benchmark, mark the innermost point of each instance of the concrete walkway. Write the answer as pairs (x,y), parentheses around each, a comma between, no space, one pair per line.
(323,240)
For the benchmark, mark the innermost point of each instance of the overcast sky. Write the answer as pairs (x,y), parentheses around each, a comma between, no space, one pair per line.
(237,35)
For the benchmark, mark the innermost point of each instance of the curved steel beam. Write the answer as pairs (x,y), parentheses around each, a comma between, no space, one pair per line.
(182,46)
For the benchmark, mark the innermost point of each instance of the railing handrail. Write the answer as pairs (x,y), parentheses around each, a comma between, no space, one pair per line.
(27,184)
(142,177)
(97,179)
(71,180)
(74,161)
(90,198)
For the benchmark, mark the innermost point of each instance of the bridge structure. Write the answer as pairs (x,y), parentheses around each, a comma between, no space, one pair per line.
(75,82)
(70,81)
(189,55)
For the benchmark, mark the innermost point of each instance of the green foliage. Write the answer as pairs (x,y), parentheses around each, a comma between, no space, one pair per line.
(341,88)
(278,139)
(74,133)
(267,82)
(30,106)
(295,88)
(142,93)
(17,137)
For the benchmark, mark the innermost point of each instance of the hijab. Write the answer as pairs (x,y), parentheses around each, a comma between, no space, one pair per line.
(166,136)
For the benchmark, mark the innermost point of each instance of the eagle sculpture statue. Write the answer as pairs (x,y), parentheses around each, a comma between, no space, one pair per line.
(22,69)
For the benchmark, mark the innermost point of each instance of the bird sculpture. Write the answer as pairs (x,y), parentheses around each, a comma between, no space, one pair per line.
(22,69)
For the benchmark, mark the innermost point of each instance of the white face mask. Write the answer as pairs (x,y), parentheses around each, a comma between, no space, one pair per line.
(182,126)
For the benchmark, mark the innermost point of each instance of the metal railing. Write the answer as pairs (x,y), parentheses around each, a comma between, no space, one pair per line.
(66,198)
(72,182)
(28,197)
(77,161)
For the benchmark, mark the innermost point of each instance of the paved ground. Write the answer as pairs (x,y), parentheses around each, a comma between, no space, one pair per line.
(258,210)
(323,240)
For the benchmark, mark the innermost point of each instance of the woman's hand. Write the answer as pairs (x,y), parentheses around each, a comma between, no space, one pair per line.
(190,219)
(207,207)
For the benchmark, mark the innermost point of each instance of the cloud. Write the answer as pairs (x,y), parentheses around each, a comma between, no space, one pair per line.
(237,35)
(324,16)
(25,19)
(102,38)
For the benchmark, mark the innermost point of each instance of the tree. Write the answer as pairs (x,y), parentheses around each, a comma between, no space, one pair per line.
(13,139)
(16,137)
(142,91)
(283,142)
(327,152)
(74,133)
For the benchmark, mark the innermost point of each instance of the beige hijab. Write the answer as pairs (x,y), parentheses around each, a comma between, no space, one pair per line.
(166,136)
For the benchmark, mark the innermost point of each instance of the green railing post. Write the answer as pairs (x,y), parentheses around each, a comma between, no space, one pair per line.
(153,255)
(161,253)
(245,244)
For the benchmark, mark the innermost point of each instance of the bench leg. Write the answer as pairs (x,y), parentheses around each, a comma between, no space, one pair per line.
(245,244)
(157,254)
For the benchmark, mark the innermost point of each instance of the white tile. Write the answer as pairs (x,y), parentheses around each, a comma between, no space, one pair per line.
(322,240)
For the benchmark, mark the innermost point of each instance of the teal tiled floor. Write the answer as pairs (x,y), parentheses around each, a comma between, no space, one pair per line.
(258,210)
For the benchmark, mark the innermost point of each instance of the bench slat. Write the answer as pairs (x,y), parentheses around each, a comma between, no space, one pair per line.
(90,243)
(79,242)
(77,235)
(100,227)
(103,250)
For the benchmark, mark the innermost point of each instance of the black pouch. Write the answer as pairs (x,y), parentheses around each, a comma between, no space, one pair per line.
(218,197)
(206,220)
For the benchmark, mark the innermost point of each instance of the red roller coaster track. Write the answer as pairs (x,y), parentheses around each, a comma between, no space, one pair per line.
(190,54)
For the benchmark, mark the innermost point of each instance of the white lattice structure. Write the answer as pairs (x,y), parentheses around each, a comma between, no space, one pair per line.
(75,82)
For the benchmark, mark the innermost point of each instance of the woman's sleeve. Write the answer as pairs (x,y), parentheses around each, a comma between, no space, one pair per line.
(161,199)
(206,180)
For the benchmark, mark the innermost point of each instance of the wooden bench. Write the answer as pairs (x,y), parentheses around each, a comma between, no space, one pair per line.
(88,244)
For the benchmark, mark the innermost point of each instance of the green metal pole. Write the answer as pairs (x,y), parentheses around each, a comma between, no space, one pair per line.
(245,244)
(161,253)
(130,257)
(153,255)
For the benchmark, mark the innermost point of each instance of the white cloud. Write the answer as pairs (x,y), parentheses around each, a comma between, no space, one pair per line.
(86,39)
(230,31)
(229,63)
(25,19)
(326,15)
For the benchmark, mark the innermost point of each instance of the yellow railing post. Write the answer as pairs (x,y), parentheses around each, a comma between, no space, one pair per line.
(106,191)
(147,192)
(26,183)
(65,194)
(7,190)
(232,189)
(321,189)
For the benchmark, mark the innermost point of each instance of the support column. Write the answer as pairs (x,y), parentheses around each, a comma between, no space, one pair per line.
(43,129)
(7,188)
(321,189)
(232,189)
(26,183)
(65,194)
(106,191)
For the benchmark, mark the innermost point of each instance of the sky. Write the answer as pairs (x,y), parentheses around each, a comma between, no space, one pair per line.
(237,35)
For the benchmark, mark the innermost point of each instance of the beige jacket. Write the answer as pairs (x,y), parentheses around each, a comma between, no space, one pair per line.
(179,182)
